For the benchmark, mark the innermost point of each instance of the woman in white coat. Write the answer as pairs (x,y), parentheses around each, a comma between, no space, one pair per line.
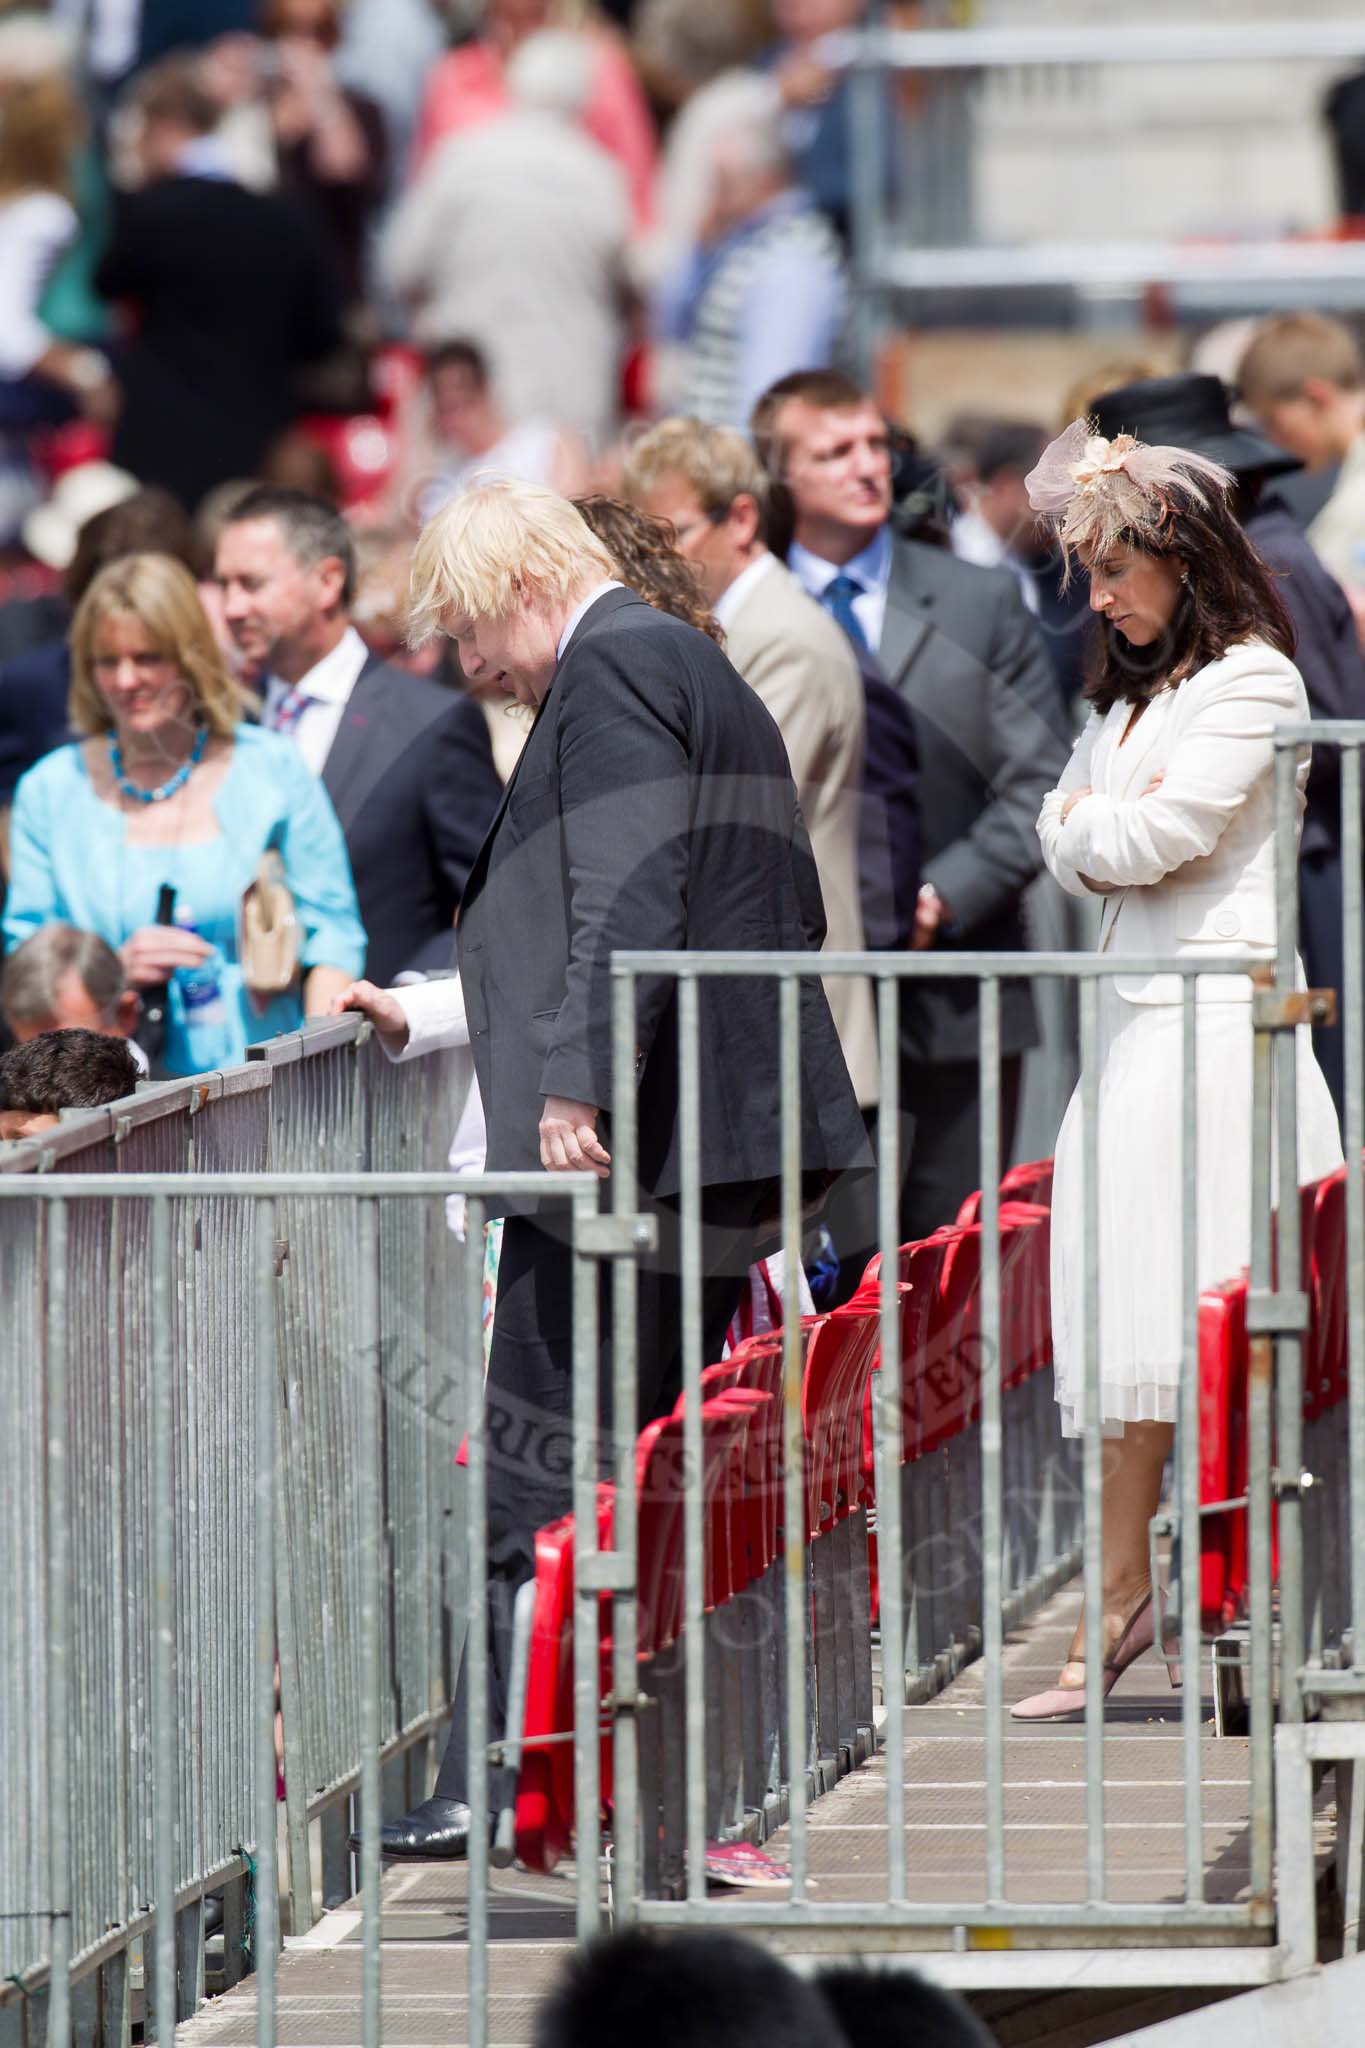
(1166,811)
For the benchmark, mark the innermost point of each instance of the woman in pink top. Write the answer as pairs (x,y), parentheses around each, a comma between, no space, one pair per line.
(467,87)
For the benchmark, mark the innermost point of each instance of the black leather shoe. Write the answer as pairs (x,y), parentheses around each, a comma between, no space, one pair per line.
(437,1831)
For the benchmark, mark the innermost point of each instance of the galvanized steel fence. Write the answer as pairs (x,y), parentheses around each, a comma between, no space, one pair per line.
(238,1381)
(192,1462)
(1314,1344)
(973,1587)
(919,232)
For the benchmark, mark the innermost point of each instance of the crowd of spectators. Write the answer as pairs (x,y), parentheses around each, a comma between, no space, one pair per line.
(281,277)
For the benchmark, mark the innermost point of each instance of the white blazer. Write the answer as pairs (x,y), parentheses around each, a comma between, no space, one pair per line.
(1193,864)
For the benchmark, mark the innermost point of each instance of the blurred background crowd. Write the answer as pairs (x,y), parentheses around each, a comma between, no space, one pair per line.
(279,277)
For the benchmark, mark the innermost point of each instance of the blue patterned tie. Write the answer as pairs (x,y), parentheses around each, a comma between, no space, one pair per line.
(837,598)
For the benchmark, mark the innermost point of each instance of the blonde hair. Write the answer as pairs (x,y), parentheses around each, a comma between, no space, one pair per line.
(160,594)
(41,125)
(1293,347)
(719,464)
(496,541)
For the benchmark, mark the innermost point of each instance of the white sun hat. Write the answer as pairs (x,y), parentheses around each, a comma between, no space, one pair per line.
(50,530)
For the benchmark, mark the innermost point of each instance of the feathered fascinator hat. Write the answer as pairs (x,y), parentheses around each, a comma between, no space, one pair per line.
(1094,491)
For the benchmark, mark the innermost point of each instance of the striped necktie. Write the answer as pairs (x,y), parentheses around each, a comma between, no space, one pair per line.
(290,710)
(837,598)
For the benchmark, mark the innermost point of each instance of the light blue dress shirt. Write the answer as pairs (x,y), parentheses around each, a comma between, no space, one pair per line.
(70,862)
(871,568)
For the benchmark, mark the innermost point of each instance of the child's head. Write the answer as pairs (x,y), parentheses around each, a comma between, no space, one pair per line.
(61,1070)
(1304,379)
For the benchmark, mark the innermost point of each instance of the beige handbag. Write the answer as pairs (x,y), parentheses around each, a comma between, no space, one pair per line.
(271,936)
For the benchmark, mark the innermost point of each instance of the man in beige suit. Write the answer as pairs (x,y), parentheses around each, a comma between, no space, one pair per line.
(710,485)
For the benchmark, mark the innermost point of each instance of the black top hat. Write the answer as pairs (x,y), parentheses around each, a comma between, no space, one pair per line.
(1189,411)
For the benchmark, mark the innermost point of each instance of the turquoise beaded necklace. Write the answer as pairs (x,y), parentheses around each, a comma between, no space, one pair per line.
(165,789)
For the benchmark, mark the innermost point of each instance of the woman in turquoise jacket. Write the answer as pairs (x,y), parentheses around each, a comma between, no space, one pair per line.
(171,790)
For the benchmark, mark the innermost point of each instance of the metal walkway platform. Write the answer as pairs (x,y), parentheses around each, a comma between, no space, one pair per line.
(425,1958)
(945,1790)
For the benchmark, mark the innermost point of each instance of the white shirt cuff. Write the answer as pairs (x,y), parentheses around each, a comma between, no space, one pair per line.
(436,1017)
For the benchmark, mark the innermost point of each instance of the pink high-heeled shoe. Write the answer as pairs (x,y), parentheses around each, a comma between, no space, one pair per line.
(1067,1702)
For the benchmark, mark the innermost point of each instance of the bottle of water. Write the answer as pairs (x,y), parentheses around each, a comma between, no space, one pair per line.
(201,991)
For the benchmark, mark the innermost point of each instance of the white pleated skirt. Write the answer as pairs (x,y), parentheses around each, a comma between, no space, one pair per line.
(1138,1196)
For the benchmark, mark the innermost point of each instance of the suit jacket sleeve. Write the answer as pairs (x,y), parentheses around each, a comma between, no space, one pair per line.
(1328,655)
(460,792)
(318,871)
(1333,668)
(794,684)
(810,899)
(1225,748)
(998,856)
(1019,657)
(624,792)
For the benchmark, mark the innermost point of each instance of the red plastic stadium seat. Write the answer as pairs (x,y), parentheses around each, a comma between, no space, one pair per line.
(544,1803)
(1222,1439)
(839,1360)
(1031,1182)
(1326,1365)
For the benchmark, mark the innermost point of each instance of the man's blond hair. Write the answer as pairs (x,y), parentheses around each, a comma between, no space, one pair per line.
(718,464)
(1291,348)
(479,554)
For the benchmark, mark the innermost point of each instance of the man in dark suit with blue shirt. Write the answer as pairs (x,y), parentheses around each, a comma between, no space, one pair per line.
(958,645)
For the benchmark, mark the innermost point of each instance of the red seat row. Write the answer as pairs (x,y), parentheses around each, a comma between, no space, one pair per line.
(741,1493)
(941,1340)
(1224,1366)
(742,1477)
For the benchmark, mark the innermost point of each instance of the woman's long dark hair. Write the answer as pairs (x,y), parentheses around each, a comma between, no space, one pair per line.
(1229,595)
(643,551)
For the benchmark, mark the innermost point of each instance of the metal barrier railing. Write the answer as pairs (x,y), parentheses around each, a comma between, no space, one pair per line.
(251,1267)
(90,1335)
(1324,1626)
(1321,1466)
(976,1474)
(136,1512)
(339,1106)
(931,240)
(180,1686)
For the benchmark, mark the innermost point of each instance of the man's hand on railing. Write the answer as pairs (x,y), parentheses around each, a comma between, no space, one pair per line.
(384,1012)
(568,1138)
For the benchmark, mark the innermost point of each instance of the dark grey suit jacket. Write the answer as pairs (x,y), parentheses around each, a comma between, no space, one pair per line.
(652,807)
(411,778)
(965,654)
